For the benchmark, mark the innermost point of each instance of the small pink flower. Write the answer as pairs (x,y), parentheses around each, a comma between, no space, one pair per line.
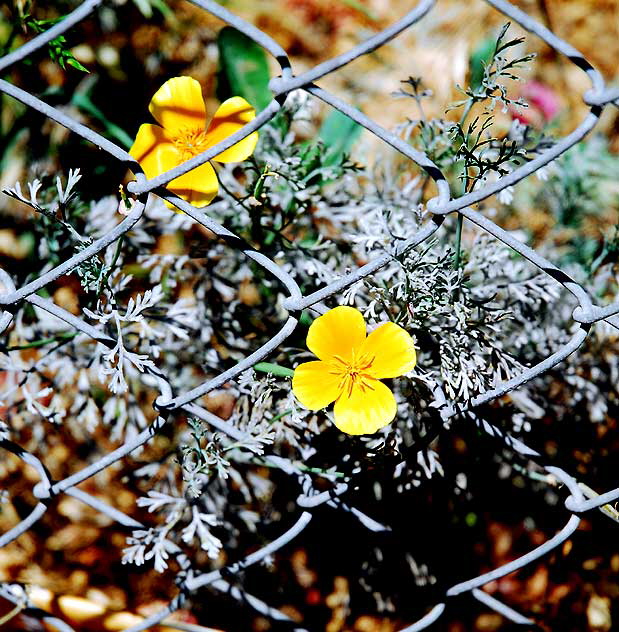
(543,103)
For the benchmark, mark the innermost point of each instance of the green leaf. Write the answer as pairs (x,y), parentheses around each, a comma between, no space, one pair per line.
(244,70)
(76,64)
(82,101)
(273,369)
(338,133)
(163,8)
(480,57)
(57,48)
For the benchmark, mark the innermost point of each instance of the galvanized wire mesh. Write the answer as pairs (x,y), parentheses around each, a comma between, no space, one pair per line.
(586,313)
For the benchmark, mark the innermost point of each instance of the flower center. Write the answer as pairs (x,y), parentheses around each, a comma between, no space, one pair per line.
(354,372)
(191,142)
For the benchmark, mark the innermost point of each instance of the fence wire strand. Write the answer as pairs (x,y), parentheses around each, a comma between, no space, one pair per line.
(168,403)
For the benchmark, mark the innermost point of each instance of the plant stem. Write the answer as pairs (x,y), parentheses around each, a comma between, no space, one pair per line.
(304,468)
(465,113)
(459,225)
(280,415)
(119,245)
(64,337)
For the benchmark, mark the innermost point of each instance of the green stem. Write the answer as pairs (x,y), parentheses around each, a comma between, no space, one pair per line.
(69,335)
(303,468)
(280,415)
(273,369)
(457,259)
(458,256)
(119,245)
(467,109)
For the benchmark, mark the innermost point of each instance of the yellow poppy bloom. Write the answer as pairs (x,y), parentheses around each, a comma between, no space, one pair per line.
(182,133)
(349,368)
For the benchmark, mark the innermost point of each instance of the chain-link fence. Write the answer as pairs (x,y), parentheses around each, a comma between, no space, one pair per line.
(586,313)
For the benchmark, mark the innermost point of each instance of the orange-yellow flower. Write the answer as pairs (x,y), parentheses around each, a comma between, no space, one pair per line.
(349,368)
(182,133)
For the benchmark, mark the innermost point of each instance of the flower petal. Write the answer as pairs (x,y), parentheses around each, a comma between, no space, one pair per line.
(179,105)
(154,149)
(231,115)
(393,351)
(198,186)
(366,410)
(337,333)
(315,385)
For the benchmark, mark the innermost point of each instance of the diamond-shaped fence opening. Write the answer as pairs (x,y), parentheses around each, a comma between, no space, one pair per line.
(168,403)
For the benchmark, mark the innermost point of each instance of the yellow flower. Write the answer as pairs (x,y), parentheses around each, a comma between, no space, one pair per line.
(349,368)
(179,108)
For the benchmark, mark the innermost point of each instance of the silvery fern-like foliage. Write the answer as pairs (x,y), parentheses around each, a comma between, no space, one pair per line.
(199,528)
(151,544)
(192,312)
